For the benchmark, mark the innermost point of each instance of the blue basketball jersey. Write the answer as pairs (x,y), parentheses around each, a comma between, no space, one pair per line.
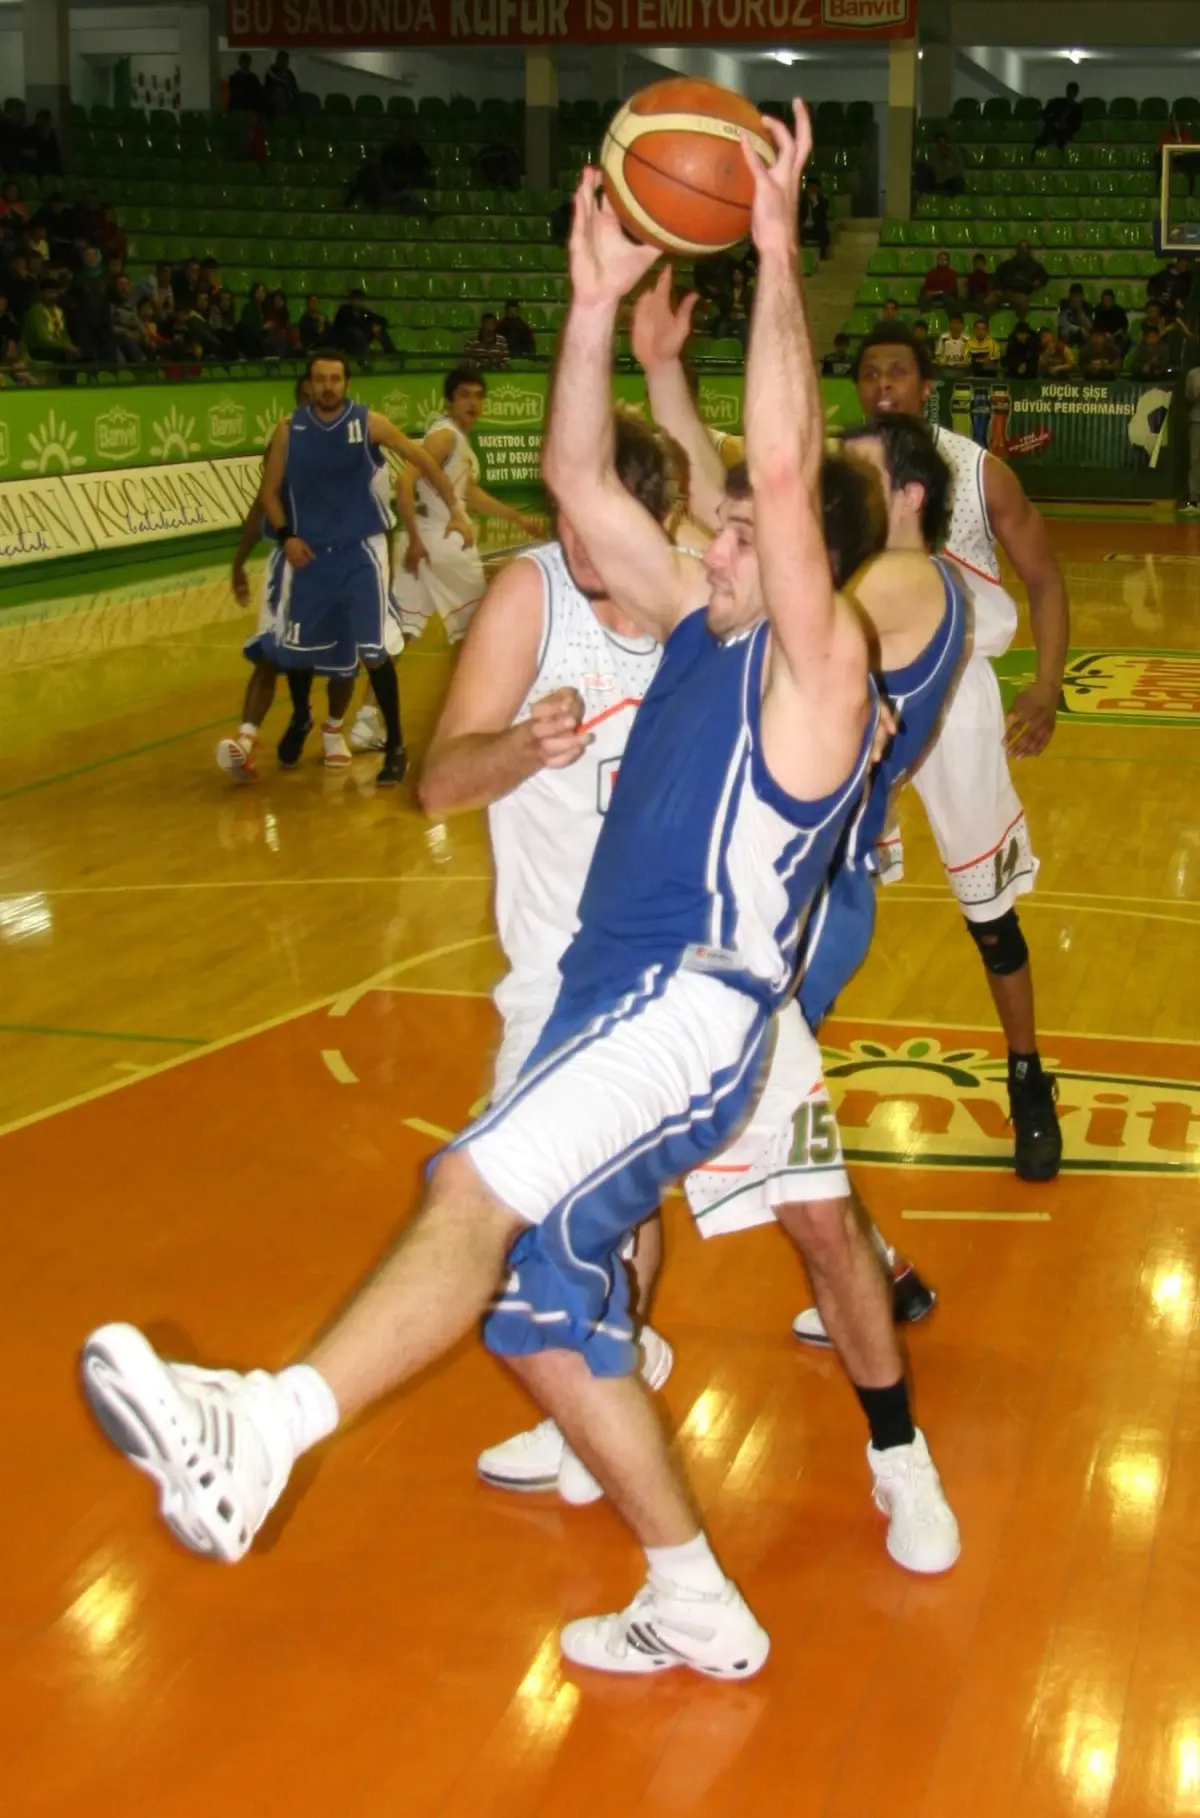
(843,917)
(703,860)
(330,467)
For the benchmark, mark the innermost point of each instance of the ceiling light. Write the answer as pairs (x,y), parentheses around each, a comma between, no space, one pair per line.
(1074,56)
(787,58)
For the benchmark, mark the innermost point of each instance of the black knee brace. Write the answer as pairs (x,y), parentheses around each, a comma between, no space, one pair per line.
(1001,943)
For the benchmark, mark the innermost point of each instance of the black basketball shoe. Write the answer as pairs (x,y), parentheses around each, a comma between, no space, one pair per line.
(1037,1149)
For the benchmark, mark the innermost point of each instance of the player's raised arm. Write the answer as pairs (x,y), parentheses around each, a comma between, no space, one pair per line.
(477,754)
(384,434)
(785,422)
(660,334)
(640,567)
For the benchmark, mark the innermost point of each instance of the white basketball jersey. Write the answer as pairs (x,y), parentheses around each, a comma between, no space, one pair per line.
(462,470)
(971,543)
(544,832)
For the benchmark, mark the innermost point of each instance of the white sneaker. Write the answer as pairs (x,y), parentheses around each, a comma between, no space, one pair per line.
(215,1443)
(237,757)
(541,1459)
(337,752)
(922,1532)
(368,732)
(528,1461)
(668,1627)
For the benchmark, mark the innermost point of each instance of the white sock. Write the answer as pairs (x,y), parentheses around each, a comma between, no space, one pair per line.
(332,725)
(312,1411)
(691,1566)
(247,730)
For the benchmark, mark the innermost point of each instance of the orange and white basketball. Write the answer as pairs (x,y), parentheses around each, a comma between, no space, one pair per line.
(674,169)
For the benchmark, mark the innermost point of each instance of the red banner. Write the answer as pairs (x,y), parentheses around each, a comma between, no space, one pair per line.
(379,24)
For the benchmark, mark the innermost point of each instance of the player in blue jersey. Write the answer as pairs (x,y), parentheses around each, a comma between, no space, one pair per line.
(750,754)
(320,496)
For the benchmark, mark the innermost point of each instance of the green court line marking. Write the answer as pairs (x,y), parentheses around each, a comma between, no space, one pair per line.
(117,757)
(103,1035)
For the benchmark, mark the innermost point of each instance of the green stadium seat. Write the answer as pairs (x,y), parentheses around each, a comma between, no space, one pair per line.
(401,107)
(1093,107)
(861,321)
(338,104)
(1186,107)
(1027,108)
(1003,323)
(1123,107)
(368,104)
(997,107)
(1086,264)
(965,109)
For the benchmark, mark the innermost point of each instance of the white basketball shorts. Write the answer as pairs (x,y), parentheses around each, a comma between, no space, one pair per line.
(450,583)
(788,1153)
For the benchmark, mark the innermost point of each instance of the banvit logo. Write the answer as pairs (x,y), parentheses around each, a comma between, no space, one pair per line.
(718,408)
(514,404)
(118,434)
(397,408)
(865,15)
(227,424)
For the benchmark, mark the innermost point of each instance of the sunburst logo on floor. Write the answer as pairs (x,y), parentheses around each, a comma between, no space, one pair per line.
(174,437)
(53,443)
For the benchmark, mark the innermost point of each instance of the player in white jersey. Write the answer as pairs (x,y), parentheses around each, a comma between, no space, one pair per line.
(436,573)
(963,781)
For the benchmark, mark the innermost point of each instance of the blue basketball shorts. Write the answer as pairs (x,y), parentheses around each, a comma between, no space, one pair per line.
(616,1101)
(334,611)
(263,647)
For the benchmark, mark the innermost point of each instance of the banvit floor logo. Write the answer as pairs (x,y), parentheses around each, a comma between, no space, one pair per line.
(227,424)
(118,434)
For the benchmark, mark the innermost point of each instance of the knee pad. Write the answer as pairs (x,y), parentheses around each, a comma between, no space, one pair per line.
(1001,944)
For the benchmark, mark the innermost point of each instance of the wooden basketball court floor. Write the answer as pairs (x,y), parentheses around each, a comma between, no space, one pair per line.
(233,1025)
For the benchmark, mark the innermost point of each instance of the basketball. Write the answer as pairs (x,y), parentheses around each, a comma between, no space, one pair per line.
(674,169)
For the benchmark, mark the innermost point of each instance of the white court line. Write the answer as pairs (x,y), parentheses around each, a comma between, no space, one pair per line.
(339,1066)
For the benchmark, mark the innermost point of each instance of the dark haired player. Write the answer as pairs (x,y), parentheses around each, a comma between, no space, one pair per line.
(320,497)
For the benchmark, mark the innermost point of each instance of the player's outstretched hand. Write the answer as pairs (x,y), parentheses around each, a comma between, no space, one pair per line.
(604,262)
(1030,721)
(533,527)
(775,213)
(660,331)
(239,580)
(414,554)
(459,524)
(554,727)
(297,552)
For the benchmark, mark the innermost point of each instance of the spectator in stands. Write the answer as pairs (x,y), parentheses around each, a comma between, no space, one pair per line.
(10,332)
(488,348)
(921,331)
(45,154)
(199,330)
(210,275)
(157,287)
(1100,357)
(517,333)
(983,350)
(110,239)
(1173,332)
(281,91)
(978,288)
(367,183)
(153,339)
(89,216)
(313,325)
(55,221)
(181,343)
(1172,284)
(1177,132)
(45,331)
(279,323)
(1062,118)
(251,337)
(21,284)
(814,218)
(127,329)
(359,330)
(1112,320)
(1021,353)
(1148,358)
(733,306)
(185,281)
(941,283)
(953,348)
(1020,278)
(406,163)
(13,211)
(890,311)
(940,172)
(12,135)
(88,308)
(245,90)
(498,166)
(1074,317)
(838,364)
(1054,356)
(222,319)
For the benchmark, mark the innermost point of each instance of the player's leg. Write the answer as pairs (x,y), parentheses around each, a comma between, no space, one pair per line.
(368,597)
(538,1457)
(687,1612)
(238,754)
(787,1165)
(311,640)
(981,832)
(368,732)
(412,597)
(337,753)
(456,583)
